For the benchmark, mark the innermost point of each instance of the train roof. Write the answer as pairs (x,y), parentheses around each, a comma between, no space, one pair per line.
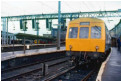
(86,20)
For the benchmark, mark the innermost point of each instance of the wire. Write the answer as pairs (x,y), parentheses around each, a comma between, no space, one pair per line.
(42,3)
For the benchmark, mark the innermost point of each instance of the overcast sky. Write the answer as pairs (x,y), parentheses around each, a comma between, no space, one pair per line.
(37,7)
(11,8)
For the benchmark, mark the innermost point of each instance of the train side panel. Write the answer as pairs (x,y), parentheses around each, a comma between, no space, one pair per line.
(108,39)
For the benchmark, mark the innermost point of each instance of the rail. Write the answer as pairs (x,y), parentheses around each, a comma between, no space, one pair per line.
(87,76)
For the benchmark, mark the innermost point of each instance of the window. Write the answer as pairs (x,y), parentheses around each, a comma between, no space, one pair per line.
(84,32)
(96,32)
(73,32)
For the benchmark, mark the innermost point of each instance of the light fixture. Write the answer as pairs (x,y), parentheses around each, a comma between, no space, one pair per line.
(70,46)
(97,47)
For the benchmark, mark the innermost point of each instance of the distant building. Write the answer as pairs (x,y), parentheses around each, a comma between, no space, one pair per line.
(62,33)
(4,38)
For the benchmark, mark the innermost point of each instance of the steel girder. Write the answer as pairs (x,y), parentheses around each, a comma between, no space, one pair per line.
(99,14)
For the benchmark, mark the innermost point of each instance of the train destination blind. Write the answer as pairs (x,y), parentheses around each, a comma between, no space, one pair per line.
(84,23)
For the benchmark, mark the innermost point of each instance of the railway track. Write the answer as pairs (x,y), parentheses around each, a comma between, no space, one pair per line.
(78,74)
(10,74)
(26,65)
(87,76)
(58,69)
(75,76)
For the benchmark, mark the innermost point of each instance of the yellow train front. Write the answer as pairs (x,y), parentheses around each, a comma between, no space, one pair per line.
(87,37)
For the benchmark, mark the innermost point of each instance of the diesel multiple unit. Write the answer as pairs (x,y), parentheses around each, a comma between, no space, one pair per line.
(87,37)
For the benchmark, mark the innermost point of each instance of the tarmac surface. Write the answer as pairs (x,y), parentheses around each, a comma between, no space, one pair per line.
(112,70)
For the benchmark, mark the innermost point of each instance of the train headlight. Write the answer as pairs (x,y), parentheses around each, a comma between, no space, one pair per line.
(97,47)
(70,46)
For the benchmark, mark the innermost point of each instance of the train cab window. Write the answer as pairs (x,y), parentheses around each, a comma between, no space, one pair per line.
(73,32)
(84,32)
(96,32)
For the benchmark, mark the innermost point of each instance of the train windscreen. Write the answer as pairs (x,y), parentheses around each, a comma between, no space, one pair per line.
(96,32)
(84,32)
(73,32)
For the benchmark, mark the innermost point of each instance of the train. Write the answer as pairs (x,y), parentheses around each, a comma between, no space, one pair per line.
(87,38)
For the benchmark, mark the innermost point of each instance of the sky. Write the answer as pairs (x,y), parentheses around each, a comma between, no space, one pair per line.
(12,8)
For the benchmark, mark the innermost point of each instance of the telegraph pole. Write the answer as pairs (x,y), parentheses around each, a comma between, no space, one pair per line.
(59,25)
(37,28)
(13,43)
(25,28)
(13,40)
(7,31)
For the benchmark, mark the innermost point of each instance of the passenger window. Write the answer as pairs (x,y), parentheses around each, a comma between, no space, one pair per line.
(96,32)
(84,32)
(73,32)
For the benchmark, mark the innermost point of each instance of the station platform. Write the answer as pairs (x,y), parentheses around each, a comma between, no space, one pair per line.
(16,45)
(111,68)
(10,55)
(20,47)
